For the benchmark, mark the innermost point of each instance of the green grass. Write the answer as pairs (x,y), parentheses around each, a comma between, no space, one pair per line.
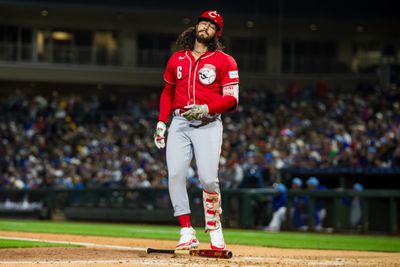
(10,243)
(232,236)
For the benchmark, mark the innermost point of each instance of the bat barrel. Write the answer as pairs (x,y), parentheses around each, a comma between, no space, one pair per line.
(209,253)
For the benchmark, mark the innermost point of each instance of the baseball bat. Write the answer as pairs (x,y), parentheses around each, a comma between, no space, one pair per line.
(208,253)
(158,250)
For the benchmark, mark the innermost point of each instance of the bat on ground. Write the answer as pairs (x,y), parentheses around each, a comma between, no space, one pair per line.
(209,253)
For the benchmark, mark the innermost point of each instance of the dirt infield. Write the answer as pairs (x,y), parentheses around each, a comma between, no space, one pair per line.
(108,251)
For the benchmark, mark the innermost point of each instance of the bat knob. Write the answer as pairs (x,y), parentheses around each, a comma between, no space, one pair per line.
(229,255)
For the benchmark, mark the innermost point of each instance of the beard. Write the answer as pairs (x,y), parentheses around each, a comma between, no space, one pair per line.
(204,39)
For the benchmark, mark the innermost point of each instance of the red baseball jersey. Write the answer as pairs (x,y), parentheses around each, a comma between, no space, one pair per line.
(204,81)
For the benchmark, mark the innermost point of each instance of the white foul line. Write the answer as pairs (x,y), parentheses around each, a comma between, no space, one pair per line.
(138,262)
(140,249)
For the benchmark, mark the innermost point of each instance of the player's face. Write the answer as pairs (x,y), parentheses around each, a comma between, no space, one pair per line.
(205,31)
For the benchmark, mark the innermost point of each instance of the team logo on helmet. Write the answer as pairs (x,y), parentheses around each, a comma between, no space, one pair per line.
(212,14)
(207,74)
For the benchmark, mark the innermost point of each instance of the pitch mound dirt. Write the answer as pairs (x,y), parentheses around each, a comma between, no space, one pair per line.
(115,251)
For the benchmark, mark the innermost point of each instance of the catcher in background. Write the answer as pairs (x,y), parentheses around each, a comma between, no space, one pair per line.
(201,82)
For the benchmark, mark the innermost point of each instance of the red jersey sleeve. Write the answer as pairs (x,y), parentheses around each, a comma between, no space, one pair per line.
(169,75)
(230,86)
(168,93)
(231,74)
(166,100)
(223,104)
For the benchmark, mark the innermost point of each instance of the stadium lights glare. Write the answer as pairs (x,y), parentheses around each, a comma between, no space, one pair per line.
(61,36)
(44,12)
(313,27)
(250,24)
(360,28)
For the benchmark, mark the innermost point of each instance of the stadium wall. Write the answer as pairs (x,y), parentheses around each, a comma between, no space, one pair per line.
(243,208)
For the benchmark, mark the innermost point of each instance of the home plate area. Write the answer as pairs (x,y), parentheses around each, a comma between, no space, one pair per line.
(108,251)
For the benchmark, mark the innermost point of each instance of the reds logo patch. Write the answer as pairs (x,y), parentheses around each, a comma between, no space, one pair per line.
(207,74)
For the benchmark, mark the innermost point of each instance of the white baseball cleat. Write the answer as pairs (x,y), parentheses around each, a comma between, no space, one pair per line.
(188,239)
(217,239)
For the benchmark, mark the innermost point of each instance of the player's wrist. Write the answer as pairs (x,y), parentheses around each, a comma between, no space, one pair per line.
(161,124)
(161,127)
(206,108)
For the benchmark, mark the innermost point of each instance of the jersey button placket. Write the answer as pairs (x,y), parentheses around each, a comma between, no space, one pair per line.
(193,85)
(191,95)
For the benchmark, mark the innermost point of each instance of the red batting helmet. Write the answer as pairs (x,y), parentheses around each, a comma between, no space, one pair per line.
(214,17)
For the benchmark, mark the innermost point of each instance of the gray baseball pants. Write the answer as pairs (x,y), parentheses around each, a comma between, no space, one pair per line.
(185,139)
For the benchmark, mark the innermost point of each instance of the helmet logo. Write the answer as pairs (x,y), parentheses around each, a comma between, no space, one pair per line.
(212,14)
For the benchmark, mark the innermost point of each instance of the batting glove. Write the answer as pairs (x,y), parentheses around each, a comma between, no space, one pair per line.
(159,135)
(196,112)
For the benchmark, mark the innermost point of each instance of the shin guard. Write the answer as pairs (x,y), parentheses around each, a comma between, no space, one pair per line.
(212,210)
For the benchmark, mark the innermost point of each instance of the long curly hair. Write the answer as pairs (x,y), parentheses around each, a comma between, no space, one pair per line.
(187,39)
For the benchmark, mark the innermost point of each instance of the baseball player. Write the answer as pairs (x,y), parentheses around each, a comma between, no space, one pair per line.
(298,211)
(201,82)
(319,212)
(279,208)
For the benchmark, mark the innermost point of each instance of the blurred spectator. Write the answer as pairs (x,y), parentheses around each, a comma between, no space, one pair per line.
(323,88)
(143,182)
(46,140)
(231,173)
(192,179)
(294,90)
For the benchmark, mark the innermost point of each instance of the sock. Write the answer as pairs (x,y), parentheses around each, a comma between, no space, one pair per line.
(184,220)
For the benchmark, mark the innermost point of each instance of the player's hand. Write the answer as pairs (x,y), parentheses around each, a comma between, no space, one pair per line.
(196,112)
(159,135)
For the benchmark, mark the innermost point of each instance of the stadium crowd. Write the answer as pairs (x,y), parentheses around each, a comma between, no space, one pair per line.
(83,141)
